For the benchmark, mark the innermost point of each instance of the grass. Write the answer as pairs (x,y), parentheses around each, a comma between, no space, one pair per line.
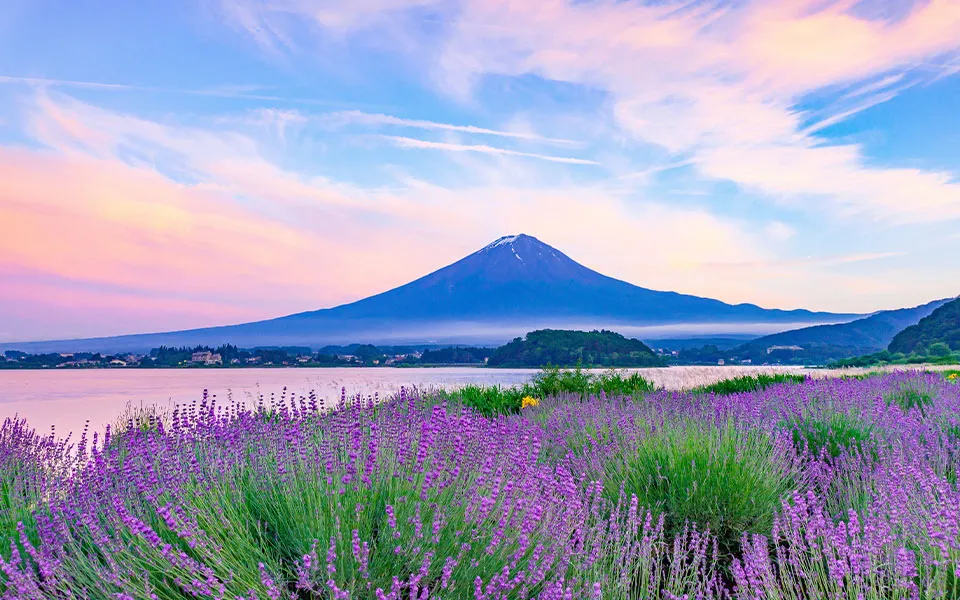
(831,435)
(140,417)
(491,400)
(553,381)
(862,376)
(550,382)
(28,463)
(909,396)
(748,383)
(719,477)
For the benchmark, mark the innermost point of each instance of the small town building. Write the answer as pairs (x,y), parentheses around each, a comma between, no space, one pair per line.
(201,357)
(206,358)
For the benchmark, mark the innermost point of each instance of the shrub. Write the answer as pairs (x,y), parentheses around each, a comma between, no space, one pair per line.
(490,400)
(553,381)
(722,477)
(615,383)
(550,381)
(939,349)
(749,383)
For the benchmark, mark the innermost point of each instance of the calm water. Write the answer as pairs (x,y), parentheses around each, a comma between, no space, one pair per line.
(66,399)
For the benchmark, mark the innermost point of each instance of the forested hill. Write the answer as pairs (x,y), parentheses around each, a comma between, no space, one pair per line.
(941,327)
(822,343)
(568,348)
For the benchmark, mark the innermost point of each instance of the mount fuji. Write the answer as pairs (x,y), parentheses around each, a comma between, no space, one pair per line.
(509,287)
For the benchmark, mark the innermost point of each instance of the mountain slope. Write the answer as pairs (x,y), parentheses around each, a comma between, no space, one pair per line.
(862,336)
(509,287)
(941,326)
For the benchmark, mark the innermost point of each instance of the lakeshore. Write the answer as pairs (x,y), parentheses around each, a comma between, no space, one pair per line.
(67,399)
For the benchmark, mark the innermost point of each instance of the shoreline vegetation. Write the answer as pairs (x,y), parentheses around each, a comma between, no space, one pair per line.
(577,485)
(600,349)
(567,349)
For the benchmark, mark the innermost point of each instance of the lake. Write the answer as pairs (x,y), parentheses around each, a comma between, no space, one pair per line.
(66,399)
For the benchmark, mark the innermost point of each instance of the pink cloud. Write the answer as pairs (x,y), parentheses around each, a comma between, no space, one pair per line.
(85,235)
(799,48)
(57,309)
(249,239)
(722,84)
(718,81)
(179,250)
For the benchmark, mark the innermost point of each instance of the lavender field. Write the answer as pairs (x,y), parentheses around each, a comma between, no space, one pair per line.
(838,488)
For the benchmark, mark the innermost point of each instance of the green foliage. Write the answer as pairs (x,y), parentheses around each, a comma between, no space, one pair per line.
(491,400)
(909,397)
(291,510)
(942,326)
(721,477)
(615,383)
(748,383)
(139,418)
(862,376)
(22,473)
(549,382)
(832,434)
(939,349)
(18,500)
(553,381)
(567,348)
(896,358)
(463,356)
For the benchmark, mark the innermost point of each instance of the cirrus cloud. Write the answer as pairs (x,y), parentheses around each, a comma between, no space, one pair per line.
(719,83)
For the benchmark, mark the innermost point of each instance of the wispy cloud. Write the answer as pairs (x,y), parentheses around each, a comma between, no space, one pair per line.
(874,86)
(269,22)
(843,115)
(647,174)
(722,85)
(354,117)
(406,142)
(140,229)
(123,212)
(718,83)
(228,91)
(40,81)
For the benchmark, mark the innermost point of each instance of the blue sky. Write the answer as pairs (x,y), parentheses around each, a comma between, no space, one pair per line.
(178,164)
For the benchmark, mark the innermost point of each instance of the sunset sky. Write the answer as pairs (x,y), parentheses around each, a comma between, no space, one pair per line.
(167,164)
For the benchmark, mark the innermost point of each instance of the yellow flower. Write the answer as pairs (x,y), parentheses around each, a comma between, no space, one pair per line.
(529,401)
(952,377)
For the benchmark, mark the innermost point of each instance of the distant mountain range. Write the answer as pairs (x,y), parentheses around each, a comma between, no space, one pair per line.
(941,326)
(512,286)
(831,342)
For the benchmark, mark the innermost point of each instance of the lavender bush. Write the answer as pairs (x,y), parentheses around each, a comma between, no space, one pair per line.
(825,489)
